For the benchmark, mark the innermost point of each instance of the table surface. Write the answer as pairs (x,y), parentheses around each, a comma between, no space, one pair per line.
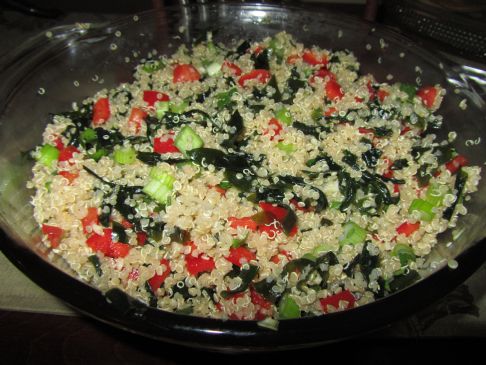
(36,327)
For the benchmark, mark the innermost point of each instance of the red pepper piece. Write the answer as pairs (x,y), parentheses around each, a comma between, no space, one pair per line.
(371,91)
(311,58)
(365,131)
(456,163)
(101,111)
(152,96)
(126,224)
(100,243)
(275,126)
(166,146)
(157,280)
(185,73)
(133,275)
(141,238)
(333,90)
(59,144)
(230,66)
(405,130)
(70,176)
(330,112)
(278,212)
(118,249)
(382,94)
(261,75)
(240,255)
(196,265)
(407,228)
(137,116)
(67,153)
(334,300)
(428,94)
(90,219)
(246,222)
(322,73)
(258,299)
(104,243)
(54,234)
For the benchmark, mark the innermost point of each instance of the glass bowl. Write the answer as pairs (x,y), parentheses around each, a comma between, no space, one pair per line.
(65,64)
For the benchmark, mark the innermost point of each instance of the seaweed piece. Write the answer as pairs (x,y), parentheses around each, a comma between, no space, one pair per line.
(459,185)
(265,288)
(182,289)
(243,48)
(120,233)
(236,129)
(246,275)
(310,130)
(95,260)
(402,281)
(261,61)
(348,188)
(153,158)
(351,160)
(399,164)
(371,157)
(152,297)
(367,262)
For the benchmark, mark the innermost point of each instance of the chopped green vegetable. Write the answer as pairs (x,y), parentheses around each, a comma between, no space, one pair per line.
(435,194)
(88,135)
(187,139)
(404,253)
(161,107)
(287,147)
(424,208)
(284,116)
(353,234)
(125,156)
(410,90)
(152,66)
(47,155)
(178,108)
(160,185)
(288,308)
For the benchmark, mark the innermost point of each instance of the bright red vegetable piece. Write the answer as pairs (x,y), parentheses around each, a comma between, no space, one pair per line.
(101,111)
(456,163)
(104,243)
(166,146)
(258,299)
(274,125)
(185,73)
(137,116)
(428,94)
(407,228)
(90,219)
(240,255)
(246,222)
(311,58)
(67,153)
(70,176)
(157,280)
(198,264)
(152,96)
(382,94)
(261,75)
(54,234)
(333,90)
(334,300)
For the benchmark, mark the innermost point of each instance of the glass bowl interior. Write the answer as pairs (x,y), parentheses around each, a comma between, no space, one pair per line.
(47,73)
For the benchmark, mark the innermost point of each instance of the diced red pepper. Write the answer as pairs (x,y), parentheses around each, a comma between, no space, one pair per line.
(293,231)
(365,130)
(334,300)
(322,73)
(292,59)
(257,50)
(101,111)
(388,174)
(157,280)
(198,264)
(258,299)
(246,222)
(137,116)
(59,144)
(240,255)
(70,176)
(456,163)
(333,90)
(311,58)
(261,75)
(133,275)
(428,94)
(405,130)
(230,66)
(100,243)
(152,96)
(141,238)
(166,146)
(90,219)
(407,228)
(278,212)
(118,249)
(396,188)
(67,153)
(185,73)
(54,234)
(276,259)
(382,94)
(330,111)
(104,243)
(275,126)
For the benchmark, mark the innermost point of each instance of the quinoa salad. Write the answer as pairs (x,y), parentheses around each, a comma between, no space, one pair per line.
(265,181)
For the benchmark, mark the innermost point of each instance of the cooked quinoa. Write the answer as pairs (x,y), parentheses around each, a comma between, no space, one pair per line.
(269,180)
